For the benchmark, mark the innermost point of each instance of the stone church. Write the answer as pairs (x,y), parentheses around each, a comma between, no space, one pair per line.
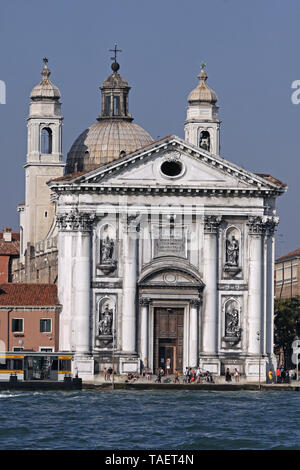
(163,251)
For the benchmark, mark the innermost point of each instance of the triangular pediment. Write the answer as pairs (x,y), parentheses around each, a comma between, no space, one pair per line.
(196,168)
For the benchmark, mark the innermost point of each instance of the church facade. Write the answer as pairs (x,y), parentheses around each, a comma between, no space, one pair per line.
(165,250)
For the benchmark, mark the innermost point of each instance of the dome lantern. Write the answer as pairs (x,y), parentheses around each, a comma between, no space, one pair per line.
(115,91)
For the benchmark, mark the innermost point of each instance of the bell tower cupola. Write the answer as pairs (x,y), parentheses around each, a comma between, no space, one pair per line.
(44,160)
(202,125)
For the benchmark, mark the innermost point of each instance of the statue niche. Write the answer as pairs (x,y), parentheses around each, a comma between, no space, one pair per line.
(104,335)
(232,322)
(107,250)
(106,321)
(232,251)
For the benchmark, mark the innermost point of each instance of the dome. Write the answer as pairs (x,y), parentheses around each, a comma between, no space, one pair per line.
(113,135)
(45,89)
(103,142)
(202,93)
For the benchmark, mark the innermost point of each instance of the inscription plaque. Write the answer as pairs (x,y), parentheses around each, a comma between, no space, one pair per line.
(169,241)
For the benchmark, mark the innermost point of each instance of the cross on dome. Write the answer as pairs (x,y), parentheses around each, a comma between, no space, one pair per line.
(115,66)
(115,50)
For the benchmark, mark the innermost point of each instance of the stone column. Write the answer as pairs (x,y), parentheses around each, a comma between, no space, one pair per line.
(270,229)
(129,284)
(194,348)
(82,287)
(74,280)
(255,296)
(64,245)
(210,266)
(145,303)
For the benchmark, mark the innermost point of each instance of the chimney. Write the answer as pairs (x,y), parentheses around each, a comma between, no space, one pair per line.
(7,234)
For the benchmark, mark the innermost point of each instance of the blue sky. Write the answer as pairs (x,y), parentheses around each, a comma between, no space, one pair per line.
(251,52)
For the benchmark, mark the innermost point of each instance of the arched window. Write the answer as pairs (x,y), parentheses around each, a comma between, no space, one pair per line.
(46,140)
(107,106)
(204,141)
(116,106)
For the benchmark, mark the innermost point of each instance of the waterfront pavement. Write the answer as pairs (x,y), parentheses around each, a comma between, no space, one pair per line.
(167,382)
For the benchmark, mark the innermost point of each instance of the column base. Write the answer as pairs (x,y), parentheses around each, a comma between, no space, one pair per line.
(83,364)
(211,364)
(252,366)
(129,363)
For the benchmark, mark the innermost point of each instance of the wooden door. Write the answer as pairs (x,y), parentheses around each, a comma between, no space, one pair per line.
(168,333)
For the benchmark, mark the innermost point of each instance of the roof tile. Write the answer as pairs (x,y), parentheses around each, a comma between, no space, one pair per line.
(28,295)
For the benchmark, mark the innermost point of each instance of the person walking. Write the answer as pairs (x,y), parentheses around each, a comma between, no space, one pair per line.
(186,372)
(198,375)
(176,378)
(158,378)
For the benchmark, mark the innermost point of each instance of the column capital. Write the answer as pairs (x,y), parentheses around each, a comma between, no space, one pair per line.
(261,225)
(130,222)
(75,221)
(270,223)
(212,223)
(145,301)
(195,303)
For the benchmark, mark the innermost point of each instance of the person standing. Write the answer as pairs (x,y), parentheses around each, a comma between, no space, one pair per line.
(176,378)
(228,375)
(186,372)
(270,376)
(236,375)
(278,375)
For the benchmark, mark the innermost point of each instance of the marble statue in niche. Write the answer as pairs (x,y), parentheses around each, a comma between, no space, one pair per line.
(232,251)
(107,262)
(232,322)
(106,321)
(107,249)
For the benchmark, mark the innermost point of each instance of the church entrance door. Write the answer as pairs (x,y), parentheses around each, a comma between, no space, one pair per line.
(168,339)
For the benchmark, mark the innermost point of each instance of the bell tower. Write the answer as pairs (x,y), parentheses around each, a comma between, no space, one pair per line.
(202,125)
(43,160)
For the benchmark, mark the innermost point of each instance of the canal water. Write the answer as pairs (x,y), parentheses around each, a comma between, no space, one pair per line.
(160,419)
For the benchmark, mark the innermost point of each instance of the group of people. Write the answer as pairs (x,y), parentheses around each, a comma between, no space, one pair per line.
(281,375)
(107,373)
(235,374)
(132,377)
(197,376)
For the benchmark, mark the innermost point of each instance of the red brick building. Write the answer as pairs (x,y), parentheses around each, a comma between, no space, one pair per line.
(287,275)
(9,251)
(29,317)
